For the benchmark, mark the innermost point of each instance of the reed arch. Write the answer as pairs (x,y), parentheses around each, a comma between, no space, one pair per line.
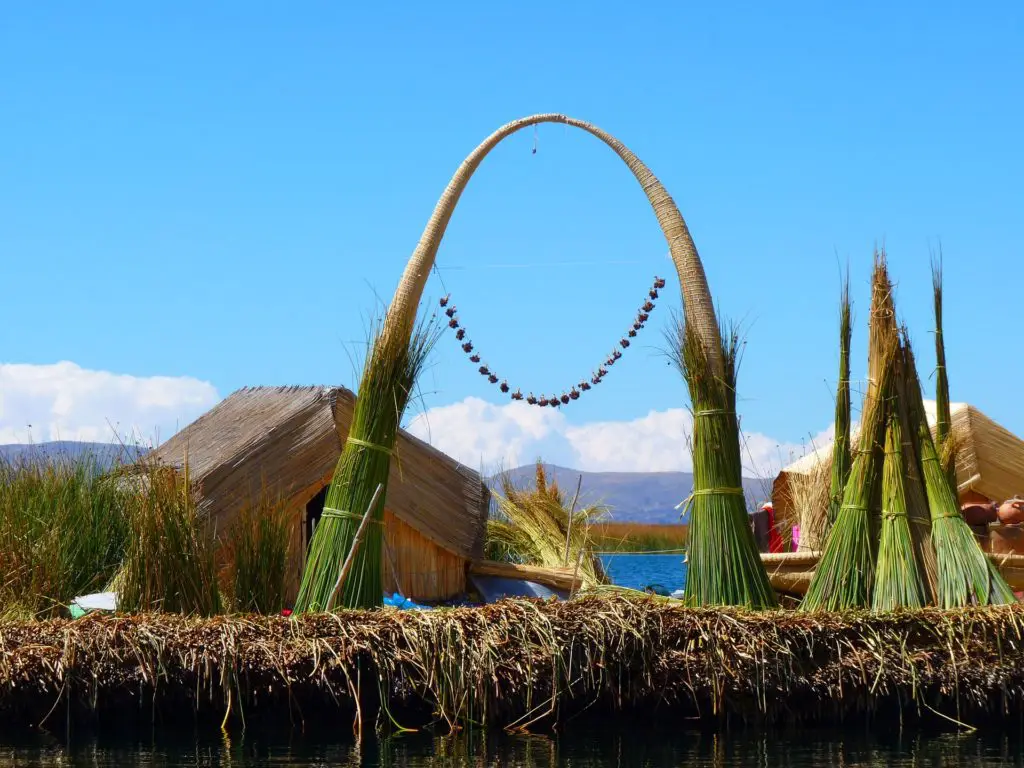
(724,565)
(697,302)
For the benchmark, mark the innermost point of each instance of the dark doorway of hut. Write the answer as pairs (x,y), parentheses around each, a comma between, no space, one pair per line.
(314,510)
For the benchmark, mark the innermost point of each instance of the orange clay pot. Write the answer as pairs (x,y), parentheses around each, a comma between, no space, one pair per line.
(1011,512)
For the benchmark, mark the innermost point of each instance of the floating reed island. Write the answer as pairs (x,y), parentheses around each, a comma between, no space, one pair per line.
(518,665)
(901,612)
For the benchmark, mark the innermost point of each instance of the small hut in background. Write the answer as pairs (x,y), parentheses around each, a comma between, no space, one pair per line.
(285,442)
(989,465)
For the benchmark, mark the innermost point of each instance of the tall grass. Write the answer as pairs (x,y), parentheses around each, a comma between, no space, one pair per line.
(532,525)
(170,564)
(63,531)
(257,549)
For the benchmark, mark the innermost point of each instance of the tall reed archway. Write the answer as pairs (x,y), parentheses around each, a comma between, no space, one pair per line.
(397,353)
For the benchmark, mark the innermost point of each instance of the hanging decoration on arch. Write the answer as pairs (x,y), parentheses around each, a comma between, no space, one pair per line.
(574,393)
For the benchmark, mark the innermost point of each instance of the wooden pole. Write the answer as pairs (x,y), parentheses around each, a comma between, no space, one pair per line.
(350,558)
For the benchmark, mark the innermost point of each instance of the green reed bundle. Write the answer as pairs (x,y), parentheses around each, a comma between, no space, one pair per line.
(392,366)
(841,445)
(899,582)
(943,418)
(914,494)
(966,576)
(844,576)
(724,567)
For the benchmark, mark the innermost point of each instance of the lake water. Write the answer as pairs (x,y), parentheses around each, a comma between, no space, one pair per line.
(640,571)
(611,746)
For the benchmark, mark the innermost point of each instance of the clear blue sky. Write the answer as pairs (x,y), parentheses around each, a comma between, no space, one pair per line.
(226,190)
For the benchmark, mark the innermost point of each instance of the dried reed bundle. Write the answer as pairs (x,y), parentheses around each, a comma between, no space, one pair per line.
(533,524)
(841,446)
(965,575)
(393,364)
(844,576)
(809,497)
(899,582)
(724,567)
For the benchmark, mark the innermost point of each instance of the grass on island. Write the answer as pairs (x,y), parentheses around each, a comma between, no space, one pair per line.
(67,529)
(610,536)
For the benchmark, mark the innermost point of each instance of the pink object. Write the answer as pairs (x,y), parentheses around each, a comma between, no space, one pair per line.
(796,537)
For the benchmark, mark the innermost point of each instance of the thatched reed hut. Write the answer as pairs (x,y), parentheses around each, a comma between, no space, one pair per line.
(989,461)
(285,442)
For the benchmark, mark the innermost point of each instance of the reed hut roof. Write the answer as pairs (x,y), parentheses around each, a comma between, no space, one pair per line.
(990,458)
(287,440)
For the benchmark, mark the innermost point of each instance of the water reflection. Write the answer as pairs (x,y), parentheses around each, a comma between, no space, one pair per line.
(579,749)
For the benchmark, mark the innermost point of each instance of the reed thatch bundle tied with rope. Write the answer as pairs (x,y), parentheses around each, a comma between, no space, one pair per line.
(395,358)
(899,538)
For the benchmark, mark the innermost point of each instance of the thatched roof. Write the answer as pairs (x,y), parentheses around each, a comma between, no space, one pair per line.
(287,440)
(990,458)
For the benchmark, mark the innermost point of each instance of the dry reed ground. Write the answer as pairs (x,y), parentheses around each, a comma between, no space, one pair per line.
(517,664)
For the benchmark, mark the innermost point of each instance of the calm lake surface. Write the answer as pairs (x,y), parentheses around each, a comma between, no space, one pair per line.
(639,571)
(613,746)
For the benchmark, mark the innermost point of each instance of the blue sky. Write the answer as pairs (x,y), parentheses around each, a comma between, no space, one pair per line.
(225,192)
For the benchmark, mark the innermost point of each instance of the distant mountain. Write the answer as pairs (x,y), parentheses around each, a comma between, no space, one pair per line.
(105,455)
(643,497)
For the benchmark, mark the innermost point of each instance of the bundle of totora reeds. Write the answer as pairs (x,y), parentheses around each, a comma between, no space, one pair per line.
(393,364)
(844,577)
(724,567)
(899,540)
(899,582)
(965,575)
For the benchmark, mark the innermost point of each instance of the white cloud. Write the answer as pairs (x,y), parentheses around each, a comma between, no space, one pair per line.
(489,436)
(66,402)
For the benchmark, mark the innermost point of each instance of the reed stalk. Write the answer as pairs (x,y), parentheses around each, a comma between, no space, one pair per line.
(393,364)
(944,443)
(965,575)
(841,458)
(724,567)
(899,582)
